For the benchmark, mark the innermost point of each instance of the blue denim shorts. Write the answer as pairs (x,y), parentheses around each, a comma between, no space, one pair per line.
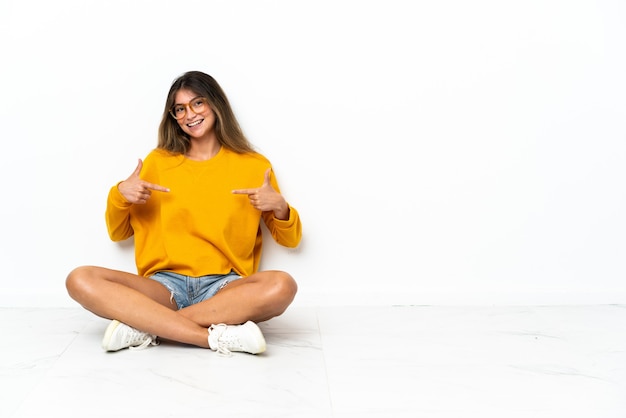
(187,290)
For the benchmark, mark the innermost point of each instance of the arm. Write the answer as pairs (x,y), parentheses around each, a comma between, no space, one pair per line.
(117,215)
(122,196)
(282,220)
(287,232)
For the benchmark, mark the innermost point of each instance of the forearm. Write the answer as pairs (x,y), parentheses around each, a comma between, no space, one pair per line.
(117,216)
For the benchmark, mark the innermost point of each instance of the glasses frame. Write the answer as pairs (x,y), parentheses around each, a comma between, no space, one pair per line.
(188,107)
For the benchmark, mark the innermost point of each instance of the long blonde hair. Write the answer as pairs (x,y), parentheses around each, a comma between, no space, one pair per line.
(227,129)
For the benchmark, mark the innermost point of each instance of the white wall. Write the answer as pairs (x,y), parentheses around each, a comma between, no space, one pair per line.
(439,152)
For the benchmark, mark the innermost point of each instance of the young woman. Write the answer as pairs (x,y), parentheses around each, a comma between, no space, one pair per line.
(194,207)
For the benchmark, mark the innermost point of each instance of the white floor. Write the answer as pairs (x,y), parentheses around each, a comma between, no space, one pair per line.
(389,362)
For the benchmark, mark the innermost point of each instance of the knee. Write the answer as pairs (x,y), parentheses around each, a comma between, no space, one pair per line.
(78,281)
(284,287)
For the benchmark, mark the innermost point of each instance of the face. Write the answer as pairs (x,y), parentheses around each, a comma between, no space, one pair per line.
(196,125)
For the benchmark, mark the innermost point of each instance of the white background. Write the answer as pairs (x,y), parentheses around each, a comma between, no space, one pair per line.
(439,152)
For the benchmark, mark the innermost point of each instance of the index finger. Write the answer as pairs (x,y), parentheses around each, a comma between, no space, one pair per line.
(244,191)
(156,187)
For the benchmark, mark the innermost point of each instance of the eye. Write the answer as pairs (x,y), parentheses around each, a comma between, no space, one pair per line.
(179,110)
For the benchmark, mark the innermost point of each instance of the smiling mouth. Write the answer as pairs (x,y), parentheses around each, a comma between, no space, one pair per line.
(196,123)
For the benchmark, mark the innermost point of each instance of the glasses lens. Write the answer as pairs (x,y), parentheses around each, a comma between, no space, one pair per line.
(178,111)
(198,105)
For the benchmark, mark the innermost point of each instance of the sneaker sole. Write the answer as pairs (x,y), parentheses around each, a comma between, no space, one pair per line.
(108,334)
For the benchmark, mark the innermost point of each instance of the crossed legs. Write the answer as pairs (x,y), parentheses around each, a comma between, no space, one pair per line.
(146,305)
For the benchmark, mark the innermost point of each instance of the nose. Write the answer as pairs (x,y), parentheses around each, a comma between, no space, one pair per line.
(189,113)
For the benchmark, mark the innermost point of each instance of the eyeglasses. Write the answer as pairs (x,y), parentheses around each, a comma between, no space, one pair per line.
(197,105)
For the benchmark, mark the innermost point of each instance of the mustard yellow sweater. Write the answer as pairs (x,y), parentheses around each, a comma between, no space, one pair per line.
(199,227)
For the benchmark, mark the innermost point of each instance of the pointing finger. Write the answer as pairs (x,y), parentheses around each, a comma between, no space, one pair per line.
(156,187)
(266,181)
(244,191)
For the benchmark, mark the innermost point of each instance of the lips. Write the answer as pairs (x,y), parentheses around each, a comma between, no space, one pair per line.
(196,123)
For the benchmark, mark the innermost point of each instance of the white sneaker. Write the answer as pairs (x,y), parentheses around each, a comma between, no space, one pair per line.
(226,338)
(119,336)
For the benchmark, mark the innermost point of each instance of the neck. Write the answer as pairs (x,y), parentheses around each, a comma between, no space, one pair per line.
(202,150)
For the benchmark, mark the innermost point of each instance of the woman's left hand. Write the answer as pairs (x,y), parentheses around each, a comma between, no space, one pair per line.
(266,199)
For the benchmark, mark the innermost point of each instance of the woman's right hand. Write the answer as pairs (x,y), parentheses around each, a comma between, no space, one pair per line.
(137,191)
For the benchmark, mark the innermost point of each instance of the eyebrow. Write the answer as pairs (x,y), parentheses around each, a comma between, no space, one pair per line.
(197,97)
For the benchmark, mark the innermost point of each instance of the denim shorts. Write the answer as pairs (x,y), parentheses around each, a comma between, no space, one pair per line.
(187,290)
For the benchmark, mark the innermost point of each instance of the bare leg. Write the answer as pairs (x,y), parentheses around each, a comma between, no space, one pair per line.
(142,303)
(256,298)
(145,304)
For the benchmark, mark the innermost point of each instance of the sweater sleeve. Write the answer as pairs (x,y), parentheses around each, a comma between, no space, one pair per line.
(118,216)
(286,232)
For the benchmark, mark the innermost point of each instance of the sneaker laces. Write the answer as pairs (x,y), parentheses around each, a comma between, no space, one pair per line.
(134,336)
(222,342)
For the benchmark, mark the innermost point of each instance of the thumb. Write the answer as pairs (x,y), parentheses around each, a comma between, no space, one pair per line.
(138,169)
(266,182)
